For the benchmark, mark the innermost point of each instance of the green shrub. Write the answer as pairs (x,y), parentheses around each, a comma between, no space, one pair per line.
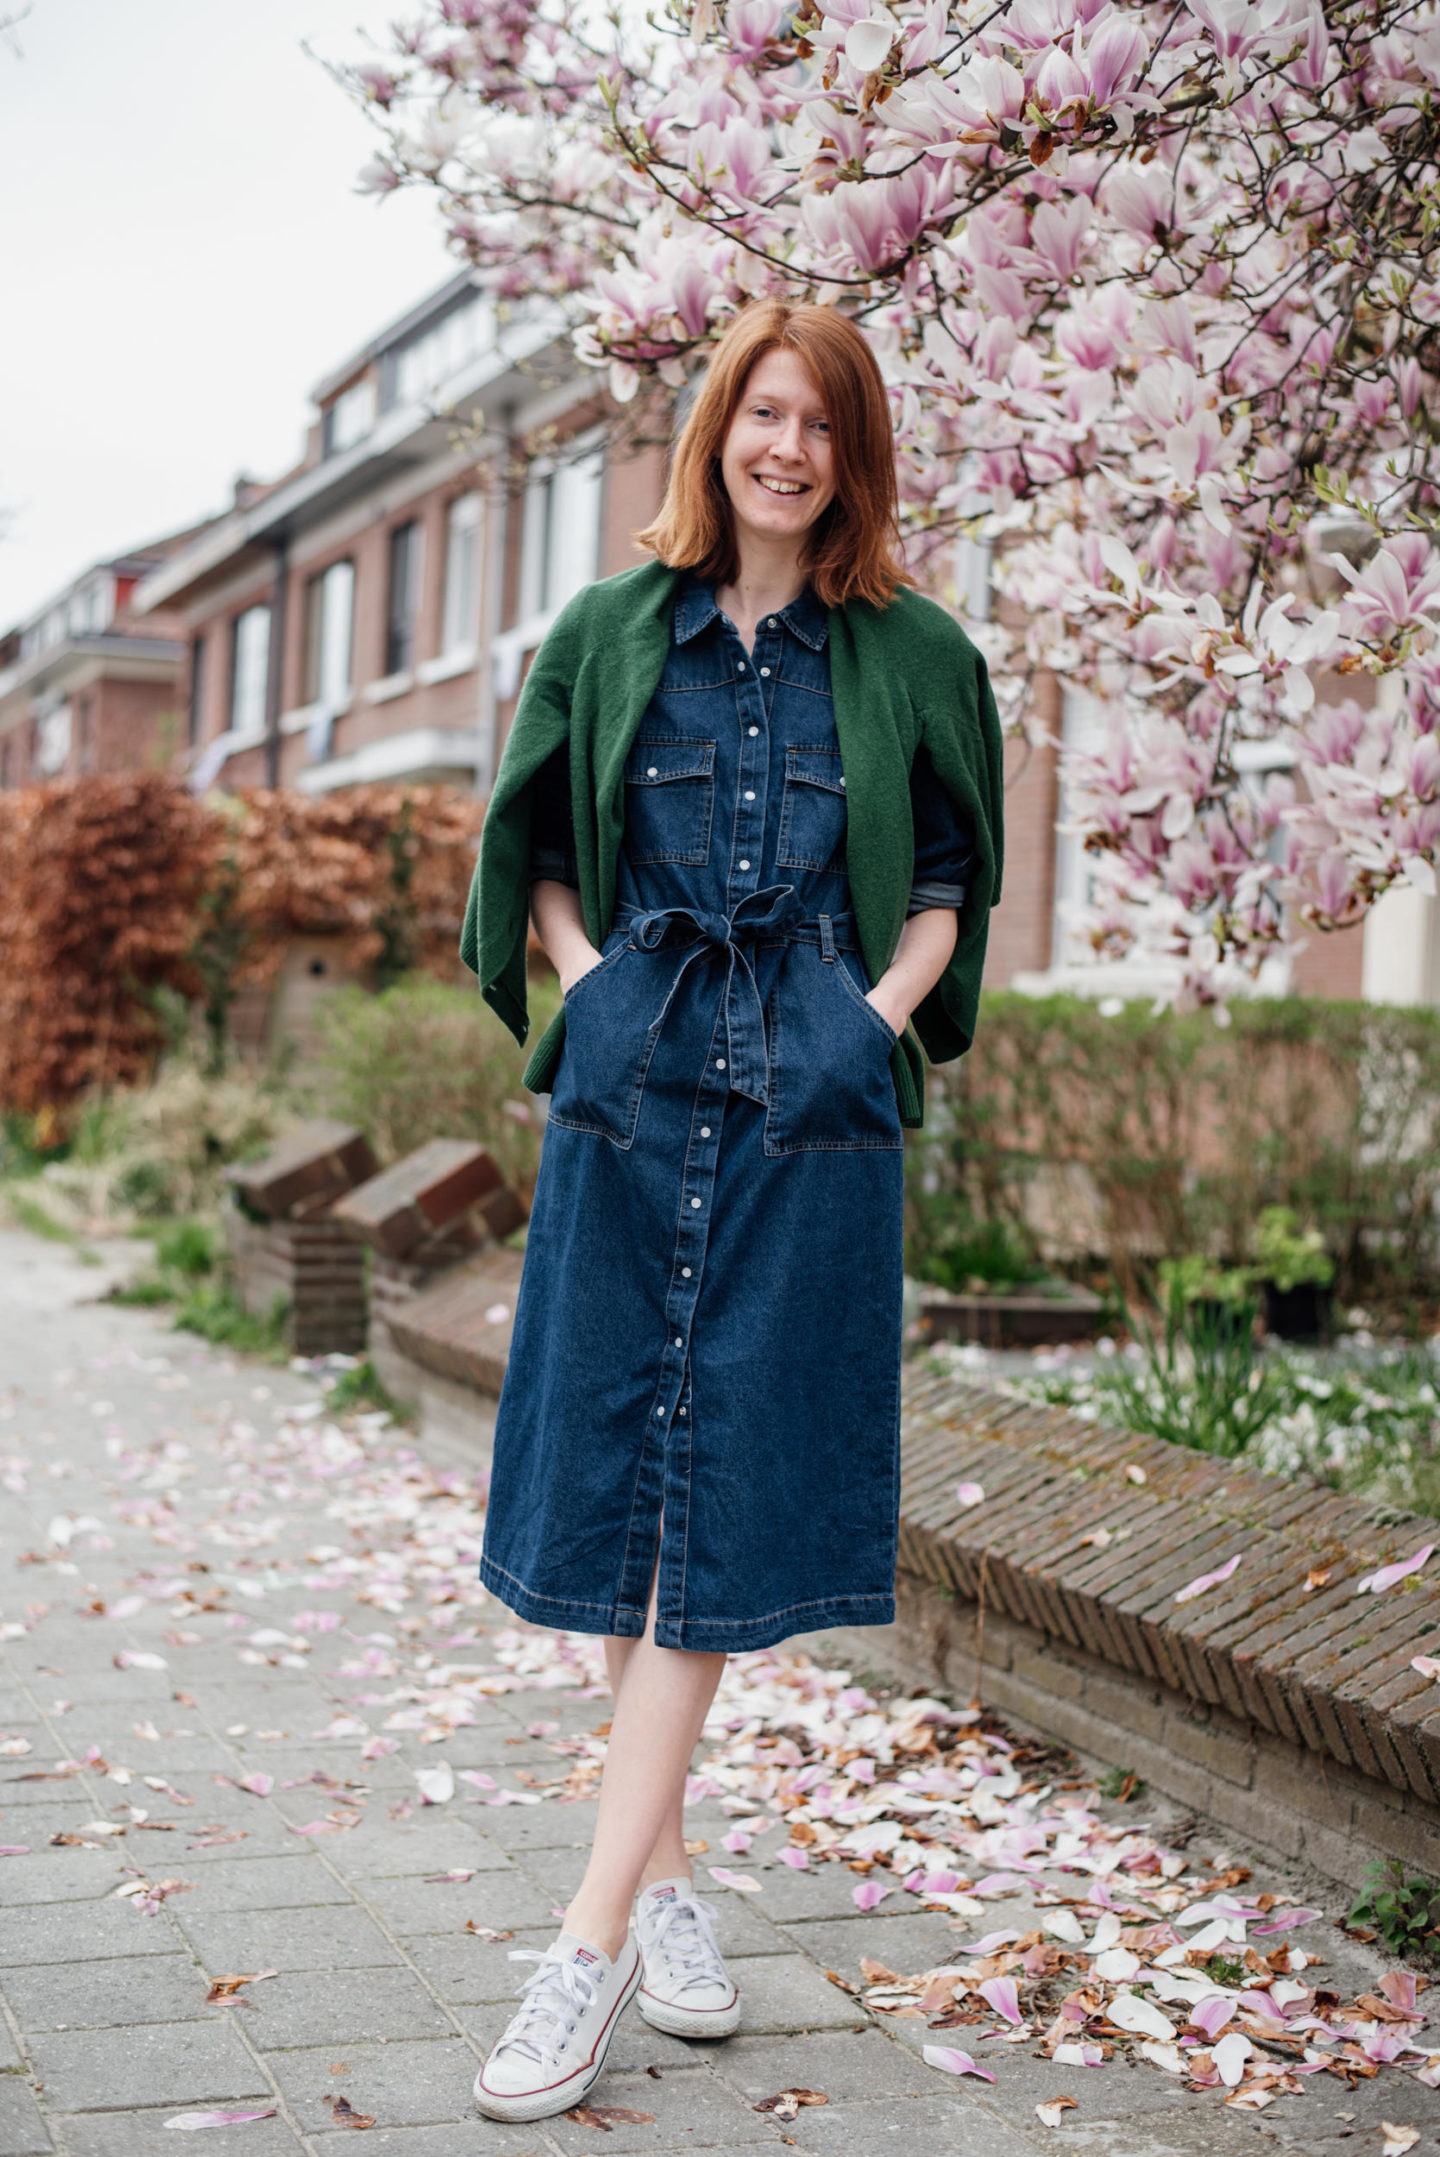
(1288,1255)
(189,1248)
(427,1060)
(217,1315)
(1134,1136)
(1405,1913)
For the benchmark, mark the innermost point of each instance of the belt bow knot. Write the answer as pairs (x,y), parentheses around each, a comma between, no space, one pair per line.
(775,908)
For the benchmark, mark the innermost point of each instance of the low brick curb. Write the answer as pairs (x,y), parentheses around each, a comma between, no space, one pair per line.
(1261,1700)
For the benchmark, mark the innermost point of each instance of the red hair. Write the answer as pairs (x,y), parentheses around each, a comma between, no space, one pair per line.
(853,549)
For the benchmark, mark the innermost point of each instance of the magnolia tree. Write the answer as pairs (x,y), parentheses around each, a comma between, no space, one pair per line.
(1154,286)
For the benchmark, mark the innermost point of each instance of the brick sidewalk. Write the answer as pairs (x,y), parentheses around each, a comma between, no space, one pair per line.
(383,1995)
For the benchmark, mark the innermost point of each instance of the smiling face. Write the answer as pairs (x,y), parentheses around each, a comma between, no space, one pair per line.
(777,462)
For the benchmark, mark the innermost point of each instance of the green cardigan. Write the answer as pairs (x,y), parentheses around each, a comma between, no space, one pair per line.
(899,675)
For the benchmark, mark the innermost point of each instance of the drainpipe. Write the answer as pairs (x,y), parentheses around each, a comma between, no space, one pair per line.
(492,600)
(275,670)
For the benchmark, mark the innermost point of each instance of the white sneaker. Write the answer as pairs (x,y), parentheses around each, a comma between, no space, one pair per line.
(687,1989)
(553,2053)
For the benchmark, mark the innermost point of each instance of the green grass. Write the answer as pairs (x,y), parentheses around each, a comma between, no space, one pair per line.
(1405,1912)
(218,1315)
(28,1213)
(361,1388)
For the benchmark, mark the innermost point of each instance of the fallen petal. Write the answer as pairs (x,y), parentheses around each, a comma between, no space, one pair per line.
(951,2062)
(1054,2109)
(1377,1583)
(1208,1580)
(745,1883)
(968,1494)
(188,2121)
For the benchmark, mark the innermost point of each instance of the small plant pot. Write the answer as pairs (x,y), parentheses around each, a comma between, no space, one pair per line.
(1301,1313)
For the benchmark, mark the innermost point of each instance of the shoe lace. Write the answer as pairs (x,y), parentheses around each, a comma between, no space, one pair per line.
(683,1933)
(555,1994)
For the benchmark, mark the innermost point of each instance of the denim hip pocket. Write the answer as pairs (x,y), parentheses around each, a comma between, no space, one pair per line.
(609,1040)
(812,814)
(669,800)
(830,1083)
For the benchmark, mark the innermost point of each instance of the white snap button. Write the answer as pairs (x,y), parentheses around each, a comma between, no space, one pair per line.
(764,670)
(659,1411)
(652,771)
(742,666)
(694,1201)
(678,1342)
(842,782)
(719,1066)
(749,793)
(744,864)
(686,1271)
(772,623)
(682,1411)
(704,1130)
(754,730)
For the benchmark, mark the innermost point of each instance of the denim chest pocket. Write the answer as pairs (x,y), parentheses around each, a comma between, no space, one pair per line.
(812,816)
(669,800)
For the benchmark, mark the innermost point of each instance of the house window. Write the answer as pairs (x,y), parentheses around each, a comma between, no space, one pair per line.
(85,710)
(52,740)
(329,621)
(196,712)
(439,352)
(404,598)
(350,418)
(560,538)
(461,623)
(249,666)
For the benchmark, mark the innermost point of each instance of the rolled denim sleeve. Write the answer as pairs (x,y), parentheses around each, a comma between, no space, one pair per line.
(944,842)
(552,824)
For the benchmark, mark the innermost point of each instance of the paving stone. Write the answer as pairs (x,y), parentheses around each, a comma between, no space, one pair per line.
(501,1900)
(904,1943)
(688,2105)
(1211,2132)
(541,1827)
(481,2136)
(145,2064)
(82,1996)
(840,2063)
(264,1883)
(88,1932)
(351,2006)
(399,2085)
(787,1992)
(828,1891)
(381,1848)
(337,1937)
(22,2128)
(911,2127)
(143,2134)
(470,1972)
(55,1876)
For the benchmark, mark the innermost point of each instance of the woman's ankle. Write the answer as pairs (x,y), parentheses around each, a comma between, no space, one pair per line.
(598,1927)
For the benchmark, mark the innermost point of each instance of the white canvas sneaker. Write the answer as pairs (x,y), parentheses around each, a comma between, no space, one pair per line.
(687,1990)
(553,2053)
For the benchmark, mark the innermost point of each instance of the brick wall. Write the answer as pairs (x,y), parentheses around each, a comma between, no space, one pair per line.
(1021,927)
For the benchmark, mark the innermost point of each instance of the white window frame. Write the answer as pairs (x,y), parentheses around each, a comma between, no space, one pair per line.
(249,671)
(464,549)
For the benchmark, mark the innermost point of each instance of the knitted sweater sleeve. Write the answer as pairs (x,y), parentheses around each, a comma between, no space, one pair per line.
(961,733)
(497,916)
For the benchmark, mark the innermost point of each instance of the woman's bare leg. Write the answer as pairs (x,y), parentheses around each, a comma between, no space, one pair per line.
(662,1696)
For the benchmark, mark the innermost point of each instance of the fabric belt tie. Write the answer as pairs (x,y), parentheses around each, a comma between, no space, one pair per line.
(773,911)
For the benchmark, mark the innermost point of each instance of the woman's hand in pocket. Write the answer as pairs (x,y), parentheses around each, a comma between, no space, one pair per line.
(892,1010)
(576,970)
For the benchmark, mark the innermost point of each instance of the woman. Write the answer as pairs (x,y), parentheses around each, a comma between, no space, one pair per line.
(752,794)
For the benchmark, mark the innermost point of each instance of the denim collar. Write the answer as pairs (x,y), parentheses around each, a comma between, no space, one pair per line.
(696,608)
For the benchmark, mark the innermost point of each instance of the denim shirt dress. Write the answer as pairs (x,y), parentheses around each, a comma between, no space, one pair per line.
(705,1361)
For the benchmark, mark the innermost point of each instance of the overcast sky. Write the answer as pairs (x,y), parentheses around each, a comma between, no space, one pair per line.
(183,256)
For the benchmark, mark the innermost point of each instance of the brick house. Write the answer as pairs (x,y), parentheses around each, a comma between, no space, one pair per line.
(86,684)
(370,616)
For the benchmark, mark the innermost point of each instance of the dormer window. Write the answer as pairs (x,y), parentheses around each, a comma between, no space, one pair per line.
(350,418)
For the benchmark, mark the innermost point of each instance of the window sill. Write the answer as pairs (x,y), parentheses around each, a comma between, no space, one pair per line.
(508,650)
(449,664)
(388,686)
(303,717)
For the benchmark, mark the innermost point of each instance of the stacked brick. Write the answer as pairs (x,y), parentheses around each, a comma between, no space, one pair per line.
(285,1245)
(1083,1541)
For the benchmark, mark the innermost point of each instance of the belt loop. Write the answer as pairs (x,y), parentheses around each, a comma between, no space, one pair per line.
(827,940)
